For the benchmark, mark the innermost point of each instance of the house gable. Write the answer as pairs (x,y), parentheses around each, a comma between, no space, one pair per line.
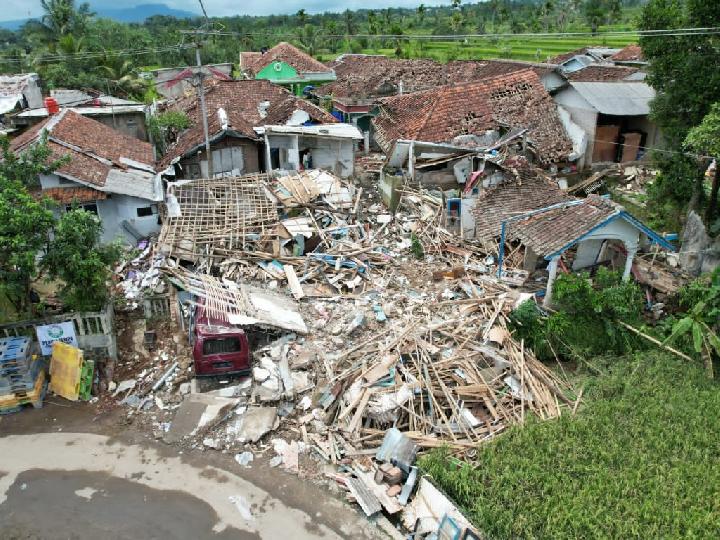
(278,71)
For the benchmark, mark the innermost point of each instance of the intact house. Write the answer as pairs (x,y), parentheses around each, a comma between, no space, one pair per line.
(123,115)
(287,66)
(176,82)
(615,117)
(18,92)
(362,80)
(234,110)
(558,231)
(109,174)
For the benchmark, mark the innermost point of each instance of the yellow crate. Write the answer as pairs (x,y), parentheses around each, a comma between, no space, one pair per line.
(8,401)
(65,370)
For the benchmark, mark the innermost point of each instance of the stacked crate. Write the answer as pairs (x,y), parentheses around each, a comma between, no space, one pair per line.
(22,375)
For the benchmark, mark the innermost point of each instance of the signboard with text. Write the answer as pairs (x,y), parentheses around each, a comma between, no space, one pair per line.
(50,333)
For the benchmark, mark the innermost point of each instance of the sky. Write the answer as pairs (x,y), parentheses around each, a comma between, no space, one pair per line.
(20,9)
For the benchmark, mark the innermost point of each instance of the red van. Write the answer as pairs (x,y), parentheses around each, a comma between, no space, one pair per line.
(218,348)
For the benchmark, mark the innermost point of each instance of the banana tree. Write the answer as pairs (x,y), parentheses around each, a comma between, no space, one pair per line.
(704,339)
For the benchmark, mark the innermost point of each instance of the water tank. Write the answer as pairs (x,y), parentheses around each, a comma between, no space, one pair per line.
(51,105)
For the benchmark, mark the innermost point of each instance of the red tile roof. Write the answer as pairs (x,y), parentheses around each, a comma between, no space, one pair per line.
(70,195)
(371,76)
(93,147)
(242,102)
(302,62)
(601,73)
(516,100)
(512,198)
(630,53)
(549,232)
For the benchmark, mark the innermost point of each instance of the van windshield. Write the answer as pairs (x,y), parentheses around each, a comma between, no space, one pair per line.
(221,345)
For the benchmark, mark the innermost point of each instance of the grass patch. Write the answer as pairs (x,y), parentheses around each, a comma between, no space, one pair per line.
(640,460)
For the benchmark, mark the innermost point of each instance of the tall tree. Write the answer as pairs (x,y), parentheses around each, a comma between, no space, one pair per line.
(24,221)
(76,257)
(705,138)
(686,83)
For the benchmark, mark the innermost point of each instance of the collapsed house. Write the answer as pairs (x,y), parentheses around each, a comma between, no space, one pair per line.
(516,100)
(18,92)
(124,115)
(363,79)
(325,146)
(109,174)
(286,65)
(537,216)
(174,83)
(235,109)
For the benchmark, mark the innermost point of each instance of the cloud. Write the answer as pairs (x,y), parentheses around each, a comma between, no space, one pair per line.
(20,9)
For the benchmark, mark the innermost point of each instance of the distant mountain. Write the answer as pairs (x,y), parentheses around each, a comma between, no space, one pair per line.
(131,14)
(143,11)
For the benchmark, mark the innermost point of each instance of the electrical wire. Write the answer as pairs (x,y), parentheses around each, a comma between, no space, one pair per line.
(97,54)
(701,31)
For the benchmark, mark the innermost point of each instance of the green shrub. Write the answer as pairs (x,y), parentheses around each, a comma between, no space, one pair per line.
(640,460)
(585,322)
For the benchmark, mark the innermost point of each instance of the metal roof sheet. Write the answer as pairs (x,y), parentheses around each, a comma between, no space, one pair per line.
(617,98)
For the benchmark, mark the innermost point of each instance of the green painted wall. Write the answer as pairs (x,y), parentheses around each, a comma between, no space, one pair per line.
(277,71)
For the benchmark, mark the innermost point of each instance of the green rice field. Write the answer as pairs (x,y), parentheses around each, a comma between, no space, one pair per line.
(530,48)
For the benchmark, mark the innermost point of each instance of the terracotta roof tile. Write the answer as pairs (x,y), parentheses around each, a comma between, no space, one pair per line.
(548,232)
(373,76)
(514,198)
(630,53)
(241,101)
(560,58)
(516,100)
(302,62)
(94,148)
(601,73)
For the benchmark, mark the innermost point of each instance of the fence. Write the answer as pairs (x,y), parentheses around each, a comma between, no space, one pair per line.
(95,331)
(157,307)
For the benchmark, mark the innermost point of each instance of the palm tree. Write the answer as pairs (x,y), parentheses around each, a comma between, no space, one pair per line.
(123,76)
(302,17)
(308,39)
(421,10)
(61,18)
(349,22)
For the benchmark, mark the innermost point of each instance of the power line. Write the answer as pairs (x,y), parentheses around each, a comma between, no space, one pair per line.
(97,54)
(702,31)
(202,6)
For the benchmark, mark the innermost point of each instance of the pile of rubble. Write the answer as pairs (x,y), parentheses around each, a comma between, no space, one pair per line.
(396,339)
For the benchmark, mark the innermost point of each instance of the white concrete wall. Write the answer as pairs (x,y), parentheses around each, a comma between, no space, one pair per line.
(112,212)
(584,115)
(335,155)
(119,208)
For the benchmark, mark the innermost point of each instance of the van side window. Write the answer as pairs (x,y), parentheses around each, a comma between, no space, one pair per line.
(221,346)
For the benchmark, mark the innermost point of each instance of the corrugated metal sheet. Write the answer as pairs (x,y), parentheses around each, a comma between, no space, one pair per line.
(617,98)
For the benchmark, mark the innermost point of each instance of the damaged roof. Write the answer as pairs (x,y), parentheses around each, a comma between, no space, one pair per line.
(100,157)
(361,76)
(554,230)
(630,53)
(602,73)
(530,191)
(254,62)
(247,104)
(514,100)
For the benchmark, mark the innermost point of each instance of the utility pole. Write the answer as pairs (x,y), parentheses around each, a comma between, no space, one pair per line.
(203,110)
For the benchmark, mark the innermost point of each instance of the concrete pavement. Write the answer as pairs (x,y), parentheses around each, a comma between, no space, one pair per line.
(83,486)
